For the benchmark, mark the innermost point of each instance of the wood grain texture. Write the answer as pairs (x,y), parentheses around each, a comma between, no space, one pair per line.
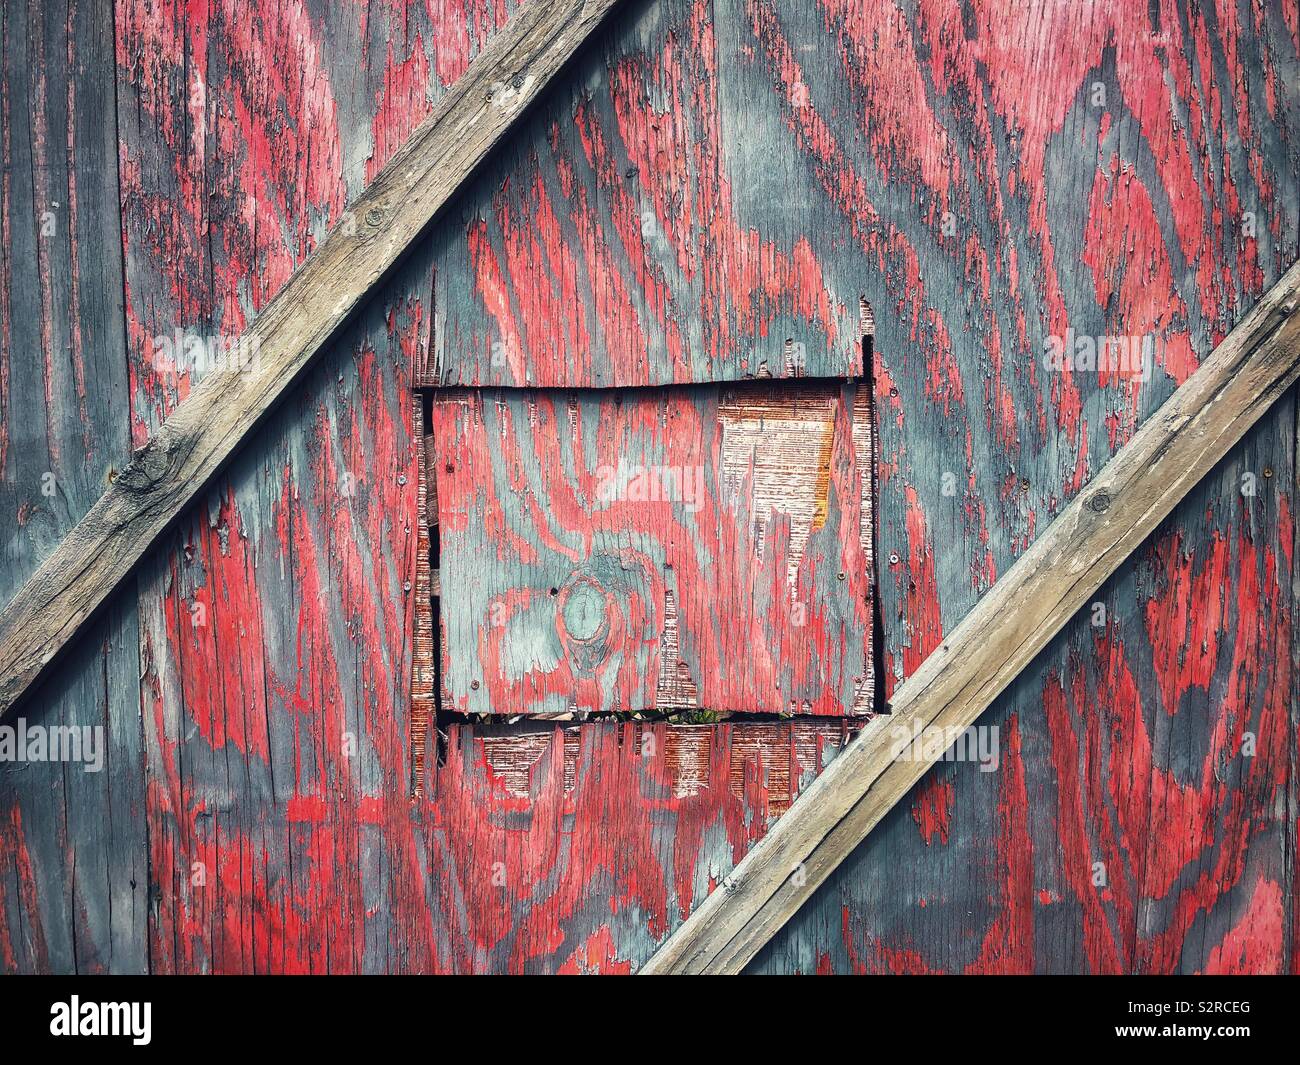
(1049,583)
(1138,820)
(1163,207)
(179,460)
(657,550)
(73,858)
(576,850)
(282,835)
(609,244)
(1126,217)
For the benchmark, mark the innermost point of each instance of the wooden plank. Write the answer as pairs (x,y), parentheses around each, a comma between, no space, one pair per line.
(1291,839)
(277,643)
(1250,370)
(607,246)
(73,842)
(653,550)
(201,434)
(1152,195)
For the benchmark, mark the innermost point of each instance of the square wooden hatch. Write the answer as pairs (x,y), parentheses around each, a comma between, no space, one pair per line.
(656,549)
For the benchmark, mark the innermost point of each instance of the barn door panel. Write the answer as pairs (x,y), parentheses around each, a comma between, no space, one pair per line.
(656,549)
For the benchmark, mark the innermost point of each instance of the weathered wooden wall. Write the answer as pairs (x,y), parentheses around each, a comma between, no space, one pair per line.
(956,166)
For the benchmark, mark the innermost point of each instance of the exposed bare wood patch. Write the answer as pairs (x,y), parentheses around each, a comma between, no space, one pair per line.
(866,318)
(676,688)
(423,650)
(776,462)
(511,759)
(865,456)
(778,756)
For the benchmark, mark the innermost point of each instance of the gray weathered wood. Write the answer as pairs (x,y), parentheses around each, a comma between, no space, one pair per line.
(189,448)
(73,848)
(1194,429)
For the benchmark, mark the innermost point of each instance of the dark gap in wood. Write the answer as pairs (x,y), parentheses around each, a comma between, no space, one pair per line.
(528,724)
(435,599)
(764,384)
(878,703)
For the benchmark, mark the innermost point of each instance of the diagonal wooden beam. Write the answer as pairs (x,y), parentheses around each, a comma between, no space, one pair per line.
(1047,585)
(306,315)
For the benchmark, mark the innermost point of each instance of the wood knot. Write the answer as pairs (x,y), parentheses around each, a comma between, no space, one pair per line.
(148,466)
(583,611)
(1099,502)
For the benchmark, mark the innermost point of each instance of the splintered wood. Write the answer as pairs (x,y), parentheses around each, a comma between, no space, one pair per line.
(423,650)
(665,549)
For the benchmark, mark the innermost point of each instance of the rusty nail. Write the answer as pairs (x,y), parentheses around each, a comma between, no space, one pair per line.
(1024,484)
(1268,471)
(474,685)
